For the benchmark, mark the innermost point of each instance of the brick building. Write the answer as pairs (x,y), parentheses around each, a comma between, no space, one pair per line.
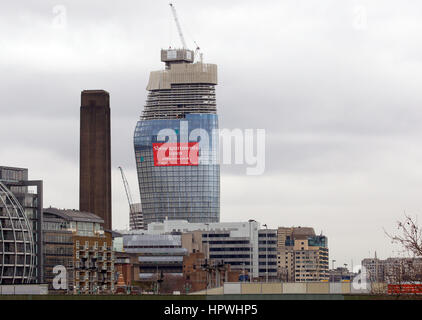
(200,273)
(77,241)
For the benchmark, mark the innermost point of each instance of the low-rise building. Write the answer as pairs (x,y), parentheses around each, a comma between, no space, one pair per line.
(200,274)
(341,274)
(392,270)
(76,240)
(233,243)
(156,254)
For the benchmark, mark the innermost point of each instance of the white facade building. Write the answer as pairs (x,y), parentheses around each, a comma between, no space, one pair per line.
(235,243)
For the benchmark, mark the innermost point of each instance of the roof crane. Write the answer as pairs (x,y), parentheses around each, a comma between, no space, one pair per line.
(198,52)
(129,196)
(173,10)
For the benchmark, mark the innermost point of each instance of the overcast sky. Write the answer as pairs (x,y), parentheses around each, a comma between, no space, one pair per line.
(335,84)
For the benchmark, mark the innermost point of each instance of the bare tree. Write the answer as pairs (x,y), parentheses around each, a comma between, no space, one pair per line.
(172,283)
(409,237)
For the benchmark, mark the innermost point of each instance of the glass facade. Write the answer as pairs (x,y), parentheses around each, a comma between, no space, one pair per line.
(188,192)
(29,195)
(180,116)
(17,250)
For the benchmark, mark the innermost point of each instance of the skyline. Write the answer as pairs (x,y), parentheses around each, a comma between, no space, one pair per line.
(343,154)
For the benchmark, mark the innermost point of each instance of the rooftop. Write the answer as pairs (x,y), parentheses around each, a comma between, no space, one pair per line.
(73,215)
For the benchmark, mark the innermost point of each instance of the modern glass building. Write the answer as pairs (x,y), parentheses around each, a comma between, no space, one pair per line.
(27,196)
(17,249)
(175,142)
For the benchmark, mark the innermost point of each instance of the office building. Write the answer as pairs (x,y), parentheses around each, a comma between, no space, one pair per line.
(233,243)
(77,241)
(302,256)
(29,195)
(179,179)
(267,250)
(156,254)
(95,159)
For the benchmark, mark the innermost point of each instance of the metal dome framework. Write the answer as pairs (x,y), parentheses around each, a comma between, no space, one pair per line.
(17,250)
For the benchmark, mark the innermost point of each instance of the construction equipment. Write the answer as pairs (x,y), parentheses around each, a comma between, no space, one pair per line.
(179,28)
(129,197)
(198,53)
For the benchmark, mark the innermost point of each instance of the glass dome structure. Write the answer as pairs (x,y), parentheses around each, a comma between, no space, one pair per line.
(17,251)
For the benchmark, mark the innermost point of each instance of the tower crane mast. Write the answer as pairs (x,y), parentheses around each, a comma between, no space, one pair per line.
(129,196)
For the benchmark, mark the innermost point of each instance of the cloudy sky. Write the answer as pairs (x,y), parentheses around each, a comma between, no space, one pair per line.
(335,84)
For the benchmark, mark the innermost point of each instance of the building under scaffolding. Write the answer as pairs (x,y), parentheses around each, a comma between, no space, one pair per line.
(181,100)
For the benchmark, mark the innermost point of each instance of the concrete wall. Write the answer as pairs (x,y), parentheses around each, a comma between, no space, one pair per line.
(345,288)
(264,288)
(232,288)
(251,288)
(318,287)
(292,288)
(213,291)
(336,287)
(272,288)
(24,289)
(296,287)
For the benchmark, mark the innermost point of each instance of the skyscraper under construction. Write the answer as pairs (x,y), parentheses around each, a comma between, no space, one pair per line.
(175,142)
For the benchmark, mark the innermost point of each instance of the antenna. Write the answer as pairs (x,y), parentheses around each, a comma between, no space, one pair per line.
(173,10)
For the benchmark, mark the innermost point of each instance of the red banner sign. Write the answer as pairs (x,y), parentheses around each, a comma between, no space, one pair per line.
(404,288)
(175,154)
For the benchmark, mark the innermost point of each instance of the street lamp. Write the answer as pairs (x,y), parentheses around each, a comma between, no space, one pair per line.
(266,252)
(250,248)
(333,269)
(346,270)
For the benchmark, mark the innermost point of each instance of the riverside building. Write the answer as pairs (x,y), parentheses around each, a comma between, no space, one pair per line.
(21,243)
(180,179)
(77,241)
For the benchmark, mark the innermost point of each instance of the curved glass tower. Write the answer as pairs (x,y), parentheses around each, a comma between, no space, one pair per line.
(17,251)
(176,142)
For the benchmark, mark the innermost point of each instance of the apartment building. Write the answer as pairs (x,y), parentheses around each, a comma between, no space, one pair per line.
(302,256)
(392,270)
(77,241)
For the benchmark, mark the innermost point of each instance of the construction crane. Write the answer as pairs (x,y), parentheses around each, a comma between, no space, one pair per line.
(129,197)
(173,10)
(198,53)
